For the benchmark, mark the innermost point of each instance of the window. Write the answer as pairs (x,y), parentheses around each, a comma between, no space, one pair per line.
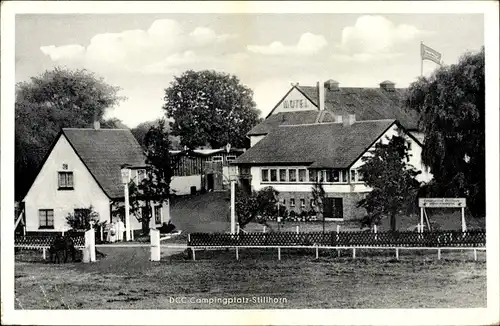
(322,176)
(217,159)
(360,176)
(65,180)
(302,175)
(312,175)
(292,202)
(312,203)
(82,216)
(408,143)
(333,176)
(158,214)
(274,176)
(230,158)
(292,175)
(345,174)
(46,218)
(265,175)
(354,175)
(302,203)
(282,175)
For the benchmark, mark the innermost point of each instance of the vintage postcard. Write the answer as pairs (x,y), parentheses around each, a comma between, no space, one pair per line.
(258,163)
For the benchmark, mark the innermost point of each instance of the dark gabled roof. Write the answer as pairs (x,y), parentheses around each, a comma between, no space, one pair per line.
(283,118)
(323,145)
(366,103)
(104,151)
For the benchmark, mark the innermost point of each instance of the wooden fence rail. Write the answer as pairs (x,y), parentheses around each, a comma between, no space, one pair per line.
(472,238)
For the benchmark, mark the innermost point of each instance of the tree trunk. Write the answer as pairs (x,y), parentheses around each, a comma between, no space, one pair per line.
(393,222)
(146,219)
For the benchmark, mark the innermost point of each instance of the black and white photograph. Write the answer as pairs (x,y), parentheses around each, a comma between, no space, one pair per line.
(232,163)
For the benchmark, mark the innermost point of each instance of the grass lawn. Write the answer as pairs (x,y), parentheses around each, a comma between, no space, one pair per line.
(125,279)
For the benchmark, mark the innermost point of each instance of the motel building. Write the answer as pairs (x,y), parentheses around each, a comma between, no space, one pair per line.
(83,168)
(322,132)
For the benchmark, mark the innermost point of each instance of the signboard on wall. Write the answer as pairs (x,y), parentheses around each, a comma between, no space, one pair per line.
(441,202)
(295,101)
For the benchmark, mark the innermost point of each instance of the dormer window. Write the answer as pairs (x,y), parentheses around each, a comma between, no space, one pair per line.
(65,180)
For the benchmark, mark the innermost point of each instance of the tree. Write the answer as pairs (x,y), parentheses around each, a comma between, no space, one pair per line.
(319,195)
(155,187)
(261,203)
(210,107)
(142,129)
(81,219)
(392,179)
(55,99)
(451,105)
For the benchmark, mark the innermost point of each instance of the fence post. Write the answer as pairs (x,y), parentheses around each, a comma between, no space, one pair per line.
(354,253)
(44,254)
(86,248)
(317,253)
(375,230)
(101,232)
(237,258)
(475,254)
(92,246)
(194,255)
(264,229)
(154,237)
(397,253)
(279,253)
(439,253)
(297,229)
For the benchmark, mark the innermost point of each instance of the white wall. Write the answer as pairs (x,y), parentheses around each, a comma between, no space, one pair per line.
(295,101)
(255,139)
(415,154)
(182,185)
(44,194)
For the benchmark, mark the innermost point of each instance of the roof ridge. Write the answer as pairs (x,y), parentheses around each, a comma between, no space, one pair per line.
(335,123)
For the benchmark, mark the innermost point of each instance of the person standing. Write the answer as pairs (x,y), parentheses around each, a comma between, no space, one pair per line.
(120,228)
(112,232)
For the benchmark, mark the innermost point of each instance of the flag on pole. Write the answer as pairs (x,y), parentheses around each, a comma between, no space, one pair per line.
(428,53)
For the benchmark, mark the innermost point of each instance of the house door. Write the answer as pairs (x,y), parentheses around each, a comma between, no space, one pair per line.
(210,182)
(333,208)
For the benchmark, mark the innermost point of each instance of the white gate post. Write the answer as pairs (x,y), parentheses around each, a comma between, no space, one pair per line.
(86,248)
(92,244)
(154,236)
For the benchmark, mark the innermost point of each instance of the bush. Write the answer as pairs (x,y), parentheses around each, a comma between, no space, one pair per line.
(81,220)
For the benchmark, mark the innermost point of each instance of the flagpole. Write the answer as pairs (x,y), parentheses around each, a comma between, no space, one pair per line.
(421,60)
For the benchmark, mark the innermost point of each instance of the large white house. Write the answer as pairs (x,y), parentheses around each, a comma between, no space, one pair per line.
(82,169)
(323,133)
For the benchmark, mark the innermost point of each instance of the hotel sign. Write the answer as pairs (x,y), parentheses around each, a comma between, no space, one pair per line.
(294,101)
(295,104)
(441,202)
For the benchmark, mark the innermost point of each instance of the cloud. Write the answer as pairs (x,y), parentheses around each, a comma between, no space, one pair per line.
(57,53)
(374,37)
(308,44)
(164,42)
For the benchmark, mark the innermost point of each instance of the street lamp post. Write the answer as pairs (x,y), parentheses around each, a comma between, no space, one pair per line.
(125,171)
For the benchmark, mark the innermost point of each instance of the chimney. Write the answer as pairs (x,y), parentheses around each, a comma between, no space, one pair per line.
(349,119)
(321,96)
(387,85)
(97,125)
(332,85)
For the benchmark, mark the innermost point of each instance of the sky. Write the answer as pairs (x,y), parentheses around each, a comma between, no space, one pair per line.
(141,53)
